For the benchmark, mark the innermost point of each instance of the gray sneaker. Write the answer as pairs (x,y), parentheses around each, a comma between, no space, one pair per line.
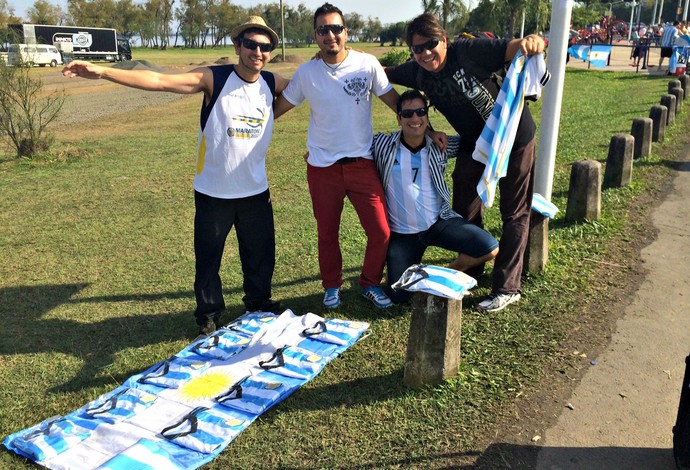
(497,302)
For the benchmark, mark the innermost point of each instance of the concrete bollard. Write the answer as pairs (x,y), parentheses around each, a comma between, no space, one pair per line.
(433,346)
(584,193)
(658,114)
(642,133)
(619,163)
(670,102)
(679,94)
(684,83)
(537,254)
(673,84)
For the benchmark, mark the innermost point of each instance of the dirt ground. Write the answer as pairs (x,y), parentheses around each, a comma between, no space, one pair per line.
(517,441)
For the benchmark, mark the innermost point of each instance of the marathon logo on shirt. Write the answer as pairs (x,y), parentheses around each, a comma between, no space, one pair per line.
(475,93)
(357,87)
(247,127)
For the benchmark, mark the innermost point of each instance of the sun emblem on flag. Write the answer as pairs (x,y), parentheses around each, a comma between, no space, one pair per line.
(207,385)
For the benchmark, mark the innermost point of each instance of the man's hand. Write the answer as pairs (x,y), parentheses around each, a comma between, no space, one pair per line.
(439,138)
(532,44)
(80,68)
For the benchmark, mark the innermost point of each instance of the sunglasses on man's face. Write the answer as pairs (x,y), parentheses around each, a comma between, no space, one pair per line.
(263,46)
(430,44)
(333,28)
(408,113)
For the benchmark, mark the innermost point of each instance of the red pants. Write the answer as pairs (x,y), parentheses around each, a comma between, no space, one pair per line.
(328,187)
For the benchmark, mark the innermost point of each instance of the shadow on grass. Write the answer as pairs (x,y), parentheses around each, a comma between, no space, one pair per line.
(97,342)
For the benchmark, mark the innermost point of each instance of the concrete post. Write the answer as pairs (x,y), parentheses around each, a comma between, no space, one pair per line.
(670,102)
(537,254)
(684,84)
(673,84)
(584,193)
(642,133)
(679,94)
(658,115)
(433,346)
(619,163)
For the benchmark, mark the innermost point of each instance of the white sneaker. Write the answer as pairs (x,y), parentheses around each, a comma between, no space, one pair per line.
(496,302)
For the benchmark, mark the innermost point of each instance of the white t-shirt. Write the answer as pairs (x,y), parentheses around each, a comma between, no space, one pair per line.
(340,98)
(232,146)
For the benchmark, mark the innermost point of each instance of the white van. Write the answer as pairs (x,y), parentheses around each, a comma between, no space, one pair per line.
(33,54)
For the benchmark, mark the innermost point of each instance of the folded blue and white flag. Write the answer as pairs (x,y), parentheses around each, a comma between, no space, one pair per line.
(435,280)
(544,207)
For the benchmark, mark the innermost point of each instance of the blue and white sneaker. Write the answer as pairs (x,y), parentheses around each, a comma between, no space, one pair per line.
(331,298)
(377,297)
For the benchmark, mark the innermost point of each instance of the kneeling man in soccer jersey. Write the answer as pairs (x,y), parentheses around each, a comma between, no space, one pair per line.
(411,168)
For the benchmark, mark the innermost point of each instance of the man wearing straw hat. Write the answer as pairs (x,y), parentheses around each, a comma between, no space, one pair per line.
(230,186)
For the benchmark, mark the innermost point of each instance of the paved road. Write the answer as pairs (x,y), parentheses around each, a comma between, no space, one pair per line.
(625,407)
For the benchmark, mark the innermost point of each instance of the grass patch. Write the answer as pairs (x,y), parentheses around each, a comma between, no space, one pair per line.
(98,265)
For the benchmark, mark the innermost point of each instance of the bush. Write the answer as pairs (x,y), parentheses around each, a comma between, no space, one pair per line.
(24,112)
(395,57)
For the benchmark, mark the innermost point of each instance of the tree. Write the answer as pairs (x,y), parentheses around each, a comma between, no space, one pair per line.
(432,6)
(355,25)
(43,12)
(222,18)
(394,32)
(372,29)
(7,16)
(25,111)
(94,13)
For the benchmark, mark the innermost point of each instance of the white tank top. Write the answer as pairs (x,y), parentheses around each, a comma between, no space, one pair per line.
(236,129)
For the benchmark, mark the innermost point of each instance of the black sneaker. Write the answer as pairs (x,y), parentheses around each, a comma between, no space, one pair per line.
(207,328)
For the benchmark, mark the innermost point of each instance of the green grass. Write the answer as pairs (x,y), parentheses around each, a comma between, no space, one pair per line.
(95,284)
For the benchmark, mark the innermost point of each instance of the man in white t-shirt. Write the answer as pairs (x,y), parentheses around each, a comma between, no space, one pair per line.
(230,186)
(340,89)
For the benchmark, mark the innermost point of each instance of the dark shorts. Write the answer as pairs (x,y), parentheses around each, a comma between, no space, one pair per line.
(666,51)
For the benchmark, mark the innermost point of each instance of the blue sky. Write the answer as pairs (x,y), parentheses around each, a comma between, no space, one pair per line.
(388,11)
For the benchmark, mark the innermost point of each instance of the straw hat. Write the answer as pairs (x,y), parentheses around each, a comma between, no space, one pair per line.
(254,22)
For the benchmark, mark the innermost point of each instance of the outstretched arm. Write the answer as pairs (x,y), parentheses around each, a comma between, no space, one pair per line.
(194,81)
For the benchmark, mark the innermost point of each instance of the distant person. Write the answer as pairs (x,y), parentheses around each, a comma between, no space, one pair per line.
(412,168)
(230,186)
(668,38)
(462,80)
(339,90)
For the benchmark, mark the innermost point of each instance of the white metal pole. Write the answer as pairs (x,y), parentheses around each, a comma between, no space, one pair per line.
(661,7)
(522,26)
(282,31)
(552,97)
(656,3)
(632,13)
(685,11)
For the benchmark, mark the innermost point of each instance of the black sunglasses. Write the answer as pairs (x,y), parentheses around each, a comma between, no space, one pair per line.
(430,44)
(263,46)
(333,28)
(407,113)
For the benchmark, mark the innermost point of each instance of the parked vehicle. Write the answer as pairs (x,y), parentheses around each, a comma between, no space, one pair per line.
(33,54)
(75,42)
